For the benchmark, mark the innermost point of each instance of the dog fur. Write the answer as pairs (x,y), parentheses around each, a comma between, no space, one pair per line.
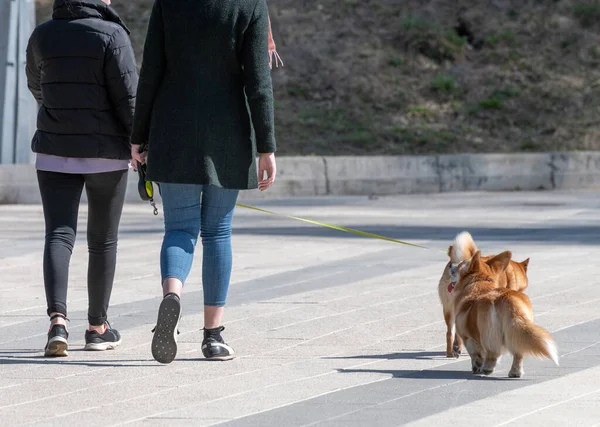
(493,320)
(463,248)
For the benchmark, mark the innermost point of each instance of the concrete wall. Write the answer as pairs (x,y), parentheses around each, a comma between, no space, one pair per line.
(18,108)
(319,176)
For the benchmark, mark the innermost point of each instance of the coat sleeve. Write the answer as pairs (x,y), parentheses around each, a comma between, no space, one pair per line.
(32,70)
(257,78)
(151,75)
(121,77)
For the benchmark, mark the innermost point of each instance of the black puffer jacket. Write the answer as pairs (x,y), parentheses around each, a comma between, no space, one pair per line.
(81,69)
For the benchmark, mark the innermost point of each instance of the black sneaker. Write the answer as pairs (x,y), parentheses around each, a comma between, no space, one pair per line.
(164,342)
(57,345)
(213,346)
(99,342)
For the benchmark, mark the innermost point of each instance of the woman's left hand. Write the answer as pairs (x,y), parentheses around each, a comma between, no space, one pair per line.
(266,166)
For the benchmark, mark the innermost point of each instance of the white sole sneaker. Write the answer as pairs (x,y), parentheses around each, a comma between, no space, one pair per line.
(102,346)
(57,347)
(230,355)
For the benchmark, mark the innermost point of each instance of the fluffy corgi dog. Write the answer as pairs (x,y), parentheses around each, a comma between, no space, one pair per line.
(493,320)
(463,248)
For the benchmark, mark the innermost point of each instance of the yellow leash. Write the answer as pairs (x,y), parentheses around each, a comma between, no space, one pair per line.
(146,191)
(337,227)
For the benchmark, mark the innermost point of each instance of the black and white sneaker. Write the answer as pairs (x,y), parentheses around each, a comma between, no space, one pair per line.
(214,347)
(164,342)
(100,342)
(57,345)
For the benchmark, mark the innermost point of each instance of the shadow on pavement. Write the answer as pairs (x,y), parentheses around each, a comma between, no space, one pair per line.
(427,355)
(431,374)
(41,360)
(589,235)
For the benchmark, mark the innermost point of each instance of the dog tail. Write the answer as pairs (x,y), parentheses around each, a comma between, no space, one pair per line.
(528,339)
(463,247)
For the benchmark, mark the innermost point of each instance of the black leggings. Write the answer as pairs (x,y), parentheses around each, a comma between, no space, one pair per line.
(61,194)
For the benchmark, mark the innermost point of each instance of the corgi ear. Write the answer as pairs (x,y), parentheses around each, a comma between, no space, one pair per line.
(474,263)
(499,263)
(525,264)
(450,250)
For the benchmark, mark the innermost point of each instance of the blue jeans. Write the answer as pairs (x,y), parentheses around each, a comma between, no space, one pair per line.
(189,210)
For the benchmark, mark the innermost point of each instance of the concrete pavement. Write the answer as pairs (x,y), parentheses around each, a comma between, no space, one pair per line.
(331,329)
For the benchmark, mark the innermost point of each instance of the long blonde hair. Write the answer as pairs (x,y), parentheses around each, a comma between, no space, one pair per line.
(273,50)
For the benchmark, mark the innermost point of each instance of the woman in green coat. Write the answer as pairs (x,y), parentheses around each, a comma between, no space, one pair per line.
(204,108)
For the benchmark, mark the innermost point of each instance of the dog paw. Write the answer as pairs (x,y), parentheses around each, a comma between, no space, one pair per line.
(514,373)
(449,354)
(456,351)
(487,371)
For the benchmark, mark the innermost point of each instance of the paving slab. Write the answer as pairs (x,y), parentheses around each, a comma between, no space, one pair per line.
(332,329)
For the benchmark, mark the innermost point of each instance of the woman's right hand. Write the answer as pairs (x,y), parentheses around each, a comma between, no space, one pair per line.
(266,164)
(137,157)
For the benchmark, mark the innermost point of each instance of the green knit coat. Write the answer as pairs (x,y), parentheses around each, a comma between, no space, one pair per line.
(204,103)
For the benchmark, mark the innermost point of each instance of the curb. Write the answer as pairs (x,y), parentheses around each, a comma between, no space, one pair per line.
(383,175)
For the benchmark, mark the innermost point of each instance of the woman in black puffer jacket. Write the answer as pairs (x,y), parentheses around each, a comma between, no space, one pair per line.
(81,70)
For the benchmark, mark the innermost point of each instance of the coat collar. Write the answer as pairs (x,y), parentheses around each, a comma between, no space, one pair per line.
(80,9)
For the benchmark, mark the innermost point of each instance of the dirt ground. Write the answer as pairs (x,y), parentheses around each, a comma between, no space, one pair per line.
(428,76)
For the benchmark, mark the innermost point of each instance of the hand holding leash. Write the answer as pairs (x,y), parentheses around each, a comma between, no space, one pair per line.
(145,187)
(137,157)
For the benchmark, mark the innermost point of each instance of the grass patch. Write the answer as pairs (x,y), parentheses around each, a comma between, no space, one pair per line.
(396,61)
(512,14)
(495,100)
(514,56)
(449,45)
(444,84)
(454,39)
(505,93)
(337,123)
(425,139)
(297,92)
(588,14)
(357,138)
(436,43)
(491,104)
(506,37)
(420,111)
(414,23)
(529,146)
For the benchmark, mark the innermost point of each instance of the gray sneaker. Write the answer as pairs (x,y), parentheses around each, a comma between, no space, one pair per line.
(109,340)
